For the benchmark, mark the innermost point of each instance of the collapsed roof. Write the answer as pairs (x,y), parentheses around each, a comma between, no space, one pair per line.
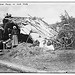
(36,25)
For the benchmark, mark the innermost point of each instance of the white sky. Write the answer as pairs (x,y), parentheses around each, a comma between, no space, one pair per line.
(50,11)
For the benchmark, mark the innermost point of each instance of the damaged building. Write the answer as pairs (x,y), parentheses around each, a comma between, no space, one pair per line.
(36,31)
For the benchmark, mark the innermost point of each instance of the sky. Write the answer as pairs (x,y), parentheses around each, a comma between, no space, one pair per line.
(50,12)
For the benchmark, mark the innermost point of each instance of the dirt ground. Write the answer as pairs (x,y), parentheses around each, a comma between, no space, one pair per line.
(4,69)
(41,58)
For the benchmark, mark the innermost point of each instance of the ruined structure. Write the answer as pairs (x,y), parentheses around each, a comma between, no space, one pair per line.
(33,29)
(36,28)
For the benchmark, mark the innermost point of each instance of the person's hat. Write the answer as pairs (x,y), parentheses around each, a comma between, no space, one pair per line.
(14,27)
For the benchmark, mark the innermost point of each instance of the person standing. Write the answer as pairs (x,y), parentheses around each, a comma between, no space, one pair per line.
(14,36)
(1,33)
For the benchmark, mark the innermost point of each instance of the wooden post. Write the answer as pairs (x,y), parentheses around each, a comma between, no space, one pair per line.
(4,46)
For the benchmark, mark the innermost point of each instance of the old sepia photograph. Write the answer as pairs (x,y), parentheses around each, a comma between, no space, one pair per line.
(37,37)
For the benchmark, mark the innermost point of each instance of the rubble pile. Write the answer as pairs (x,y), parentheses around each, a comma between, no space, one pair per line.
(25,50)
(66,31)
